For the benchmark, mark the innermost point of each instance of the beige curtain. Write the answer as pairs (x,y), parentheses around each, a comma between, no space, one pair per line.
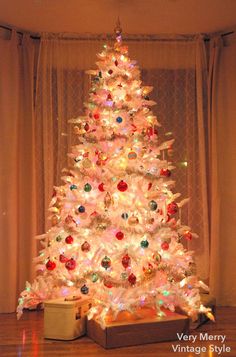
(222,163)
(176,70)
(17,176)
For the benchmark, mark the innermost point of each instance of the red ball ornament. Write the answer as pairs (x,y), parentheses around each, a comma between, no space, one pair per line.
(165,246)
(101,187)
(96,116)
(50,265)
(62,258)
(70,264)
(108,284)
(119,235)
(86,127)
(69,240)
(110,71)
(126,261)
(122,186)
(116,62)
(165,172)
(188,235)
(132,279)
(172,208)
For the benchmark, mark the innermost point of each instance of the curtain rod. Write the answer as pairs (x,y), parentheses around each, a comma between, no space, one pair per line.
(109,36)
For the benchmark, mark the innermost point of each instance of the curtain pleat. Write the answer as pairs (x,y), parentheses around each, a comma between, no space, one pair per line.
(17,175)
(222,164)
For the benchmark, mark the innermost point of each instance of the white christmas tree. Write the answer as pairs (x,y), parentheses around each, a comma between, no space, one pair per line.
(116,232)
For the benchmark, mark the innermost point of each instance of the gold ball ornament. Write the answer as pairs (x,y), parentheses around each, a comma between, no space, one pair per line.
(133,220)
(86,163)
(55,220)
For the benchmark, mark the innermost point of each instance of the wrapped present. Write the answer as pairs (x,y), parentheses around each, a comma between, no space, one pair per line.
(129,332)
(65,318)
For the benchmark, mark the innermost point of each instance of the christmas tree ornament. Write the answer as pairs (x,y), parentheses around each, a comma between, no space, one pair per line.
(119,120)
(85,247)
(110,71)
(86,163)
(87,187)
(132,155)
(119,235)
(124,276)
(165,172)
(108,200)
(106,262)
(84,290)
(94,277)
(133,220)
(58,238)
(172,208)
(165,245)
(107,284)
(73,187)
(116,62)
(81,209)
(148,271)
(132,279)
(109,97)
(63,258)
(96,116)
(157,258)
(100,74)
(86,127)
(70,264)
(126,261)
(50,265)
(69,240)
(55,220)
(144,243)
(101,187)
(188,235)
(125,216)
(122,186)
(152,205)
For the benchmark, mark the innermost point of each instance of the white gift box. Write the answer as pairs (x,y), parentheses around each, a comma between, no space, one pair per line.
(65,318)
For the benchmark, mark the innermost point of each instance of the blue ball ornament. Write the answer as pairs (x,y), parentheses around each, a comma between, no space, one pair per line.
(119,120)
(81,209)
(84,289)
